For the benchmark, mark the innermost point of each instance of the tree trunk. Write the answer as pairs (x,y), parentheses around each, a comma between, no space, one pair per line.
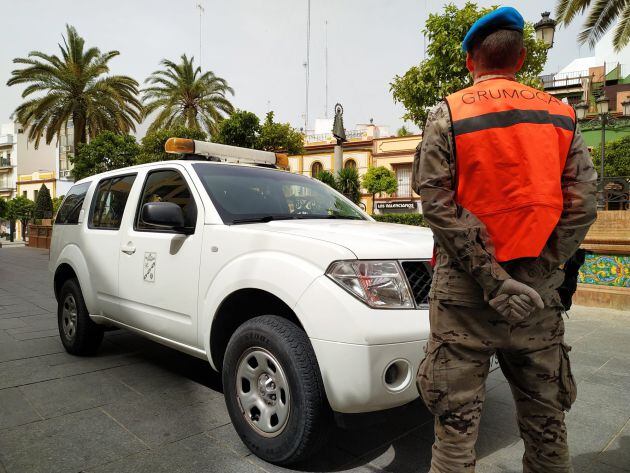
(12,230)
(24,227)
(79,132)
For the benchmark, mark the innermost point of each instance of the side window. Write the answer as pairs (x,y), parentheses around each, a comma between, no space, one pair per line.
(68,213)
(167,186)
(109,202)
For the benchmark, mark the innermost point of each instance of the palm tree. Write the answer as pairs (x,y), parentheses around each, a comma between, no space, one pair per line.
(184,96)
(602,14)
(76,87)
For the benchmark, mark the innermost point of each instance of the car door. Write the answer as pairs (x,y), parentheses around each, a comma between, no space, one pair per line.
(101,239)
(159,268)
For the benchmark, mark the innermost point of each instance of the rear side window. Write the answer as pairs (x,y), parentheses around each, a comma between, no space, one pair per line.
(68,213)
(167,186)
(110,198)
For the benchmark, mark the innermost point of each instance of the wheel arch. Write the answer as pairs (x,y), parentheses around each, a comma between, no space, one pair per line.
(63,272)
(239,307)
(71,263)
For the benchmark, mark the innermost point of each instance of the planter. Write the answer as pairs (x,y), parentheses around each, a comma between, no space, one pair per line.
(39,236)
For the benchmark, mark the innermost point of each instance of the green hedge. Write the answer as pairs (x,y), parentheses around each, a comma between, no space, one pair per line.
(407,219)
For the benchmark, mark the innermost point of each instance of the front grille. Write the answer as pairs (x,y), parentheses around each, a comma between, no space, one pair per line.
(419,275)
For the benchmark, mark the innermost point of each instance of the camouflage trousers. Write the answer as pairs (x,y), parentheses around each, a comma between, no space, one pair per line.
(533,358)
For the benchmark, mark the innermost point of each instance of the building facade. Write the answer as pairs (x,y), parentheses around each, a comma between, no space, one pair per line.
(8,156)
(585,79)
(368,145)
(24,168)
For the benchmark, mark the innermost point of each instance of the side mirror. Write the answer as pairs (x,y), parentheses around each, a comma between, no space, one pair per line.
(167,215)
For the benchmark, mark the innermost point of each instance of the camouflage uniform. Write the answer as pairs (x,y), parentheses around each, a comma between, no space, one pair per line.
(466,331)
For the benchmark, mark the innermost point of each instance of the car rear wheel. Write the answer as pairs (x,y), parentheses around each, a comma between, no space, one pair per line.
(79,334)
(274,392)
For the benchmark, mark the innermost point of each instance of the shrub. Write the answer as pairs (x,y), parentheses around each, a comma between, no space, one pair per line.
(406,219)
(43,204)
(327,177)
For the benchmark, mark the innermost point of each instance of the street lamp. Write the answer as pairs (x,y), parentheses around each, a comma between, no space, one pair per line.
(580,110)
(602,105)
(545,29)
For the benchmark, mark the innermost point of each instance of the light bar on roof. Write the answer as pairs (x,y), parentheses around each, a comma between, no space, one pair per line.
(225,153)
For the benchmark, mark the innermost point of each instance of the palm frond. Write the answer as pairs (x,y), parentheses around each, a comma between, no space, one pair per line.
(566,10)
(621,35)
(601,15)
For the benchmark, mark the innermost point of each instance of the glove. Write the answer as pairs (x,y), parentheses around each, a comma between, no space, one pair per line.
(516,301)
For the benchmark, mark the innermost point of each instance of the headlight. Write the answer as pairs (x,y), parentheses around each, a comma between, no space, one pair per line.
(380,284)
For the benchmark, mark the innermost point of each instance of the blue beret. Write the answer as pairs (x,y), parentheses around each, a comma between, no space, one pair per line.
(503,18)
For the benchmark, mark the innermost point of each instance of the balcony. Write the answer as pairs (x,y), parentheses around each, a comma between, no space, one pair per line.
(6,140)
(564,80)
(65,174)
(5,163)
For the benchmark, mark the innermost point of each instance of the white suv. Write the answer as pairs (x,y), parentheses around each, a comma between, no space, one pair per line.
(303,302)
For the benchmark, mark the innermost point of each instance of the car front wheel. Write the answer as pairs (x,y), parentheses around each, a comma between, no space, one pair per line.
(274,392)
(79,334)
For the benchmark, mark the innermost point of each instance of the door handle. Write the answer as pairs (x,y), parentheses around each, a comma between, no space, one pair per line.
(128,249)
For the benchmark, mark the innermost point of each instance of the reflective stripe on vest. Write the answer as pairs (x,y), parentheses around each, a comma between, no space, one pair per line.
(511,144)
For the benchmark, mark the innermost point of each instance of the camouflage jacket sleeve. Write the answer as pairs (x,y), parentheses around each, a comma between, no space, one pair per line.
(579,183)
(456,230)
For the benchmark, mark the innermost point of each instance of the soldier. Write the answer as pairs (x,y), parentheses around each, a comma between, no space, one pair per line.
(508,188)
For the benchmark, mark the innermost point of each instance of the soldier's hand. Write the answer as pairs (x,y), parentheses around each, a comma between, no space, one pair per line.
(515,300)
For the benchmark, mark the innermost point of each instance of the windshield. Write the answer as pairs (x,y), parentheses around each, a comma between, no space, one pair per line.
(255,194)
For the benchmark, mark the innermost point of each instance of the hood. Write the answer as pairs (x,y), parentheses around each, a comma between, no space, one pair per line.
(366,239)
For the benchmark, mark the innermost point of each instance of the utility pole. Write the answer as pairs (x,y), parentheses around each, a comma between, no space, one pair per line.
(307,64)
(201,12)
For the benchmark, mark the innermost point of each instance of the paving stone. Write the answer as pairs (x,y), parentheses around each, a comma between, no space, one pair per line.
(41,322)
(608,342)
(65,444)
(15,409)
(11,323)
(617,453)
(157,421)
(614,398)
(410,453)
(508,458)
(150,378)
(33,334)
(227,436)
(597,416)
(196,454)
(76,393)
(11,349)
(583,364)
(482,467)
(499,417)
(330,458)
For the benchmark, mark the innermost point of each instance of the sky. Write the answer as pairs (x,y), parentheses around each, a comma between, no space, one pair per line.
(258,46)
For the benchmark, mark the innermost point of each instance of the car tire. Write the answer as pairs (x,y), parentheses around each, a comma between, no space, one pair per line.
(293,390)
(78,333)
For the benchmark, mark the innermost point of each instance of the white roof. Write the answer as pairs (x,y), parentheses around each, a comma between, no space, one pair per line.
(581,64)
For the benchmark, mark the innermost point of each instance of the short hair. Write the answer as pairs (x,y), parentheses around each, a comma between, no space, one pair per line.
(498,50)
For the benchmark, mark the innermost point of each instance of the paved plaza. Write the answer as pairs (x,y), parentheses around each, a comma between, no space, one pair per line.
(141,407)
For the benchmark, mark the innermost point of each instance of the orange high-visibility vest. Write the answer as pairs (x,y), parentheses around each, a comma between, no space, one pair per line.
(511,144)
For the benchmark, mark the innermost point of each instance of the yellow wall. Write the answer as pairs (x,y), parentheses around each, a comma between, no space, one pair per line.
(384,152)
(31,183)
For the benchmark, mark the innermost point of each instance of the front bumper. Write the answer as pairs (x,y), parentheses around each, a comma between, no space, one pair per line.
(355,344)
(354,375)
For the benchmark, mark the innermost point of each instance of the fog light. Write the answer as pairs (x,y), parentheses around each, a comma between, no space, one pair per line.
(397,375)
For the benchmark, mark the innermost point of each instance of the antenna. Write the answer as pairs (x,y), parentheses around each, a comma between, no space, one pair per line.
(201,12)
(326,66)
(308,59)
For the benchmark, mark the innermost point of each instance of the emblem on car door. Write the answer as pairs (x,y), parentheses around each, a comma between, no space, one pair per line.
(150,260)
